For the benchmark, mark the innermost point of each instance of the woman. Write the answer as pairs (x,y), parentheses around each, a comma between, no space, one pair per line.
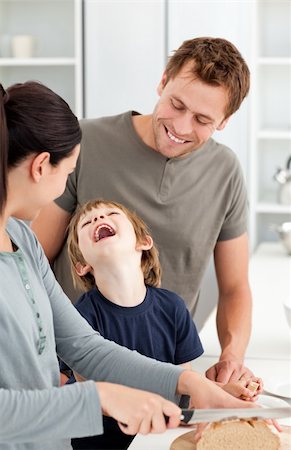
(39,147)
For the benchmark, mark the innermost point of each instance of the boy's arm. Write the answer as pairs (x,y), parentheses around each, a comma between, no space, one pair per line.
(50,227)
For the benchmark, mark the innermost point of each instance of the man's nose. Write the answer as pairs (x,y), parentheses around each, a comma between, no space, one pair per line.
(183,125)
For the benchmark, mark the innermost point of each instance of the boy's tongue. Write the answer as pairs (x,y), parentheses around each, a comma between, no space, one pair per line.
(103,233)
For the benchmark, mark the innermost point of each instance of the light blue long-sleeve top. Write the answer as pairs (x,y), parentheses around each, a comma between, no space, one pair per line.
(37,322)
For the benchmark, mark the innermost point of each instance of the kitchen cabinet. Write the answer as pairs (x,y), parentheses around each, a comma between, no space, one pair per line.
(270,115)
(56,28)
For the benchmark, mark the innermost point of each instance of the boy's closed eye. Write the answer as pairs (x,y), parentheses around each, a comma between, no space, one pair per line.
(85,223)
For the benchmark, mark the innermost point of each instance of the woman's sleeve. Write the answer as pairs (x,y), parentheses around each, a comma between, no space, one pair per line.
(56,413)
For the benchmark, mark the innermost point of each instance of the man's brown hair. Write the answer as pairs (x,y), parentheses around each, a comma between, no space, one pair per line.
(150,263)
(217,62)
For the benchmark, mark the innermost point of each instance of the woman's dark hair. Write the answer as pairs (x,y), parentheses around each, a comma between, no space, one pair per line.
(33,119)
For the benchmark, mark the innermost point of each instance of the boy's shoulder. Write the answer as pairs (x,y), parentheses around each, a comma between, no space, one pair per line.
(167,298)
(86,298)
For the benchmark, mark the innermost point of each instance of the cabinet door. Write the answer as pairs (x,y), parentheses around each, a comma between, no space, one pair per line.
(54,28)
(124,55)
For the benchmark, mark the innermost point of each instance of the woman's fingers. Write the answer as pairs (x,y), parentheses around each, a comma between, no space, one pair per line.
(137,411)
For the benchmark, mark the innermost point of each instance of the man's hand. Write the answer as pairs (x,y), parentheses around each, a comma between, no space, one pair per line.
(226,371)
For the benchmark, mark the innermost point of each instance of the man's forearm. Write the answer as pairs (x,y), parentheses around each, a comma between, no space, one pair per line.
(234,325)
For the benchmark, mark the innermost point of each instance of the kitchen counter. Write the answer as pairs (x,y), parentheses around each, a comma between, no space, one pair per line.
(269,350)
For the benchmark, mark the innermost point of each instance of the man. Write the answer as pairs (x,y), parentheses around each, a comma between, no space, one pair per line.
(186,186)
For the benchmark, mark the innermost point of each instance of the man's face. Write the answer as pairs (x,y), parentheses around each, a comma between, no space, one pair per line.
(187,114)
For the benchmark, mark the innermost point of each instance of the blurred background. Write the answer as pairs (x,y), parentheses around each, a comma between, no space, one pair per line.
(107,56)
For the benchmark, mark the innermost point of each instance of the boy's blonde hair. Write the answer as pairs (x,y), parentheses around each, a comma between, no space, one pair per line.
(150,263)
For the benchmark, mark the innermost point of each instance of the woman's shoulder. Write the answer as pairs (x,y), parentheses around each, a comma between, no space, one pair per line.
(21,234)
(18,227)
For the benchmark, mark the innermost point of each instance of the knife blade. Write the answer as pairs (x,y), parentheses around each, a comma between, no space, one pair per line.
(193,416)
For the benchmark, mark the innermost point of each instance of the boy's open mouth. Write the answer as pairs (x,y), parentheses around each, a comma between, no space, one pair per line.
(103,231)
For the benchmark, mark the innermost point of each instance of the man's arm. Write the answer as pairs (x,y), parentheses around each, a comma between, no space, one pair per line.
(50,228)
(234,309)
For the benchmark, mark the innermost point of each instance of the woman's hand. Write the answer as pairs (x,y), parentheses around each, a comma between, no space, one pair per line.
(206,394)
(137,411)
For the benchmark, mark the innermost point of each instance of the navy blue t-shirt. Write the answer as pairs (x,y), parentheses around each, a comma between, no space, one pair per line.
(160,327)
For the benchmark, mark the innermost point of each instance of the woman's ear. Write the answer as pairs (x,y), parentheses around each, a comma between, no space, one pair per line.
(39,165)
(82,270)
(146,244)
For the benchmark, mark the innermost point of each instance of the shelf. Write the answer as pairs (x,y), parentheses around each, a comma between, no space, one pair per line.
(56,29)
(12,62)
(274,134)
(275,60)
(265,207)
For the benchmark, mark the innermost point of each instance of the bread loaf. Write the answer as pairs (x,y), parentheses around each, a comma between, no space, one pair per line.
(239,434)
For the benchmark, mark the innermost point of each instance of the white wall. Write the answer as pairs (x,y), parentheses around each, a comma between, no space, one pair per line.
(124,55)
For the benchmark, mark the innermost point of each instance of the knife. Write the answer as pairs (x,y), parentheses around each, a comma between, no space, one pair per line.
(193,416)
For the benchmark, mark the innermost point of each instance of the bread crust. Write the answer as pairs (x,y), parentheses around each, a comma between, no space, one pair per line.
(239,434)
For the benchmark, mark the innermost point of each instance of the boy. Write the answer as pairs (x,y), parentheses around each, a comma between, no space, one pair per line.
(114,259)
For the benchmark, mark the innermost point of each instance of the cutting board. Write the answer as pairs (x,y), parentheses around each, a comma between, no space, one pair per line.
(186,441)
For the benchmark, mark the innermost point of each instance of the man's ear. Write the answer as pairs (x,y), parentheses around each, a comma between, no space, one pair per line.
(82,270)
(222,124)
(162,84)
(146,244)
(39,165)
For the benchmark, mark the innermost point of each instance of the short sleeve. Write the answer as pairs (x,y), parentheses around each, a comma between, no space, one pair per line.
(188,344)
(235,222)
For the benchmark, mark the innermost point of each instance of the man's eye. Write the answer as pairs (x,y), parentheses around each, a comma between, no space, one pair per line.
(202,121)
(177,106)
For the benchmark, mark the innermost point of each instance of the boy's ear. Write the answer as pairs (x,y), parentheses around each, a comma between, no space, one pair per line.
(82,270)
(146,244)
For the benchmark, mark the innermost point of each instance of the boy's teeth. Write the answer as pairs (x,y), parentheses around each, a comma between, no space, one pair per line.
(174,138)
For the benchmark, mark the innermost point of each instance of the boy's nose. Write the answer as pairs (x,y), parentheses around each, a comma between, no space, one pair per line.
(99,216)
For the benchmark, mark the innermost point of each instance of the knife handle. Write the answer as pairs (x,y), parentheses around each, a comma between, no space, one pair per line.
(187,415)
